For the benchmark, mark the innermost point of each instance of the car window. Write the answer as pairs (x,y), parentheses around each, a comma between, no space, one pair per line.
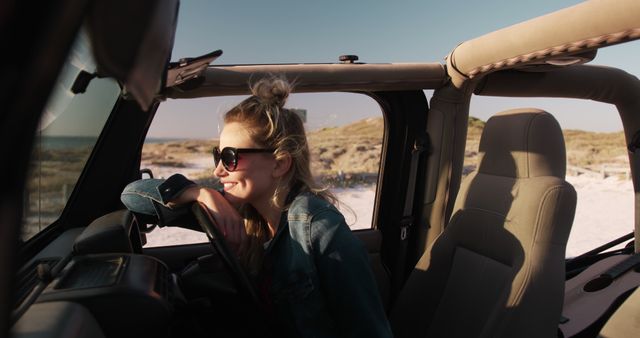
(67,133)
(597,164)
(345,133)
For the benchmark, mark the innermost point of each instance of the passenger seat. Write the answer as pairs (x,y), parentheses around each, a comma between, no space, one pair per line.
(497,270)
(625,321)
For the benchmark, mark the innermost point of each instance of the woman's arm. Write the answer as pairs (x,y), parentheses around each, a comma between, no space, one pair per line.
(165,199)
(224,215)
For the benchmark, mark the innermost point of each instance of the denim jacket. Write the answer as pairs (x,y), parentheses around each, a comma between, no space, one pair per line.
(147,198)
(321,283)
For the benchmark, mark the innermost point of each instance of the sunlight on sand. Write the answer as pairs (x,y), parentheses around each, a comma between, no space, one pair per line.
(604,212)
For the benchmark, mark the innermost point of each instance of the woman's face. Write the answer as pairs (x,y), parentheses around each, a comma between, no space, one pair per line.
(252,181)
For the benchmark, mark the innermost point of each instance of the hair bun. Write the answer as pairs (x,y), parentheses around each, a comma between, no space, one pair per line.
(271,91)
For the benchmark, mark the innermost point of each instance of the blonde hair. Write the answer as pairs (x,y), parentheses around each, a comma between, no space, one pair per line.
(270,125)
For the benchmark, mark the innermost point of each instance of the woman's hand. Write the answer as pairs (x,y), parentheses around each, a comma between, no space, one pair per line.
(224,215)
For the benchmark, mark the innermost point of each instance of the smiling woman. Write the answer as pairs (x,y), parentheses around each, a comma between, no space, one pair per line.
(344,131)
(288,235)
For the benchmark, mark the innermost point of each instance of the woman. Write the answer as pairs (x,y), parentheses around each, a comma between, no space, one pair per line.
(287,231)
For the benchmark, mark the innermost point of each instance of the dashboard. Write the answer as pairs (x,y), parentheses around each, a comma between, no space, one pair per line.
(96,278)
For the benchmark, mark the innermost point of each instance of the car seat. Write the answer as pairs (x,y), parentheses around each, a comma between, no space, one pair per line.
(625,321)
(498,268)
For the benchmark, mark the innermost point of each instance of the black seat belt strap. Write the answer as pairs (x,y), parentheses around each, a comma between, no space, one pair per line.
(634,149)
(407,214)
(421,144)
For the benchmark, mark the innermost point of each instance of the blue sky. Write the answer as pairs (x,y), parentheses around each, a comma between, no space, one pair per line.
(285,31)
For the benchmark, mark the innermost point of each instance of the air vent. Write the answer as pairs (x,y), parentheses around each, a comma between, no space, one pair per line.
(28,279)
(92,273)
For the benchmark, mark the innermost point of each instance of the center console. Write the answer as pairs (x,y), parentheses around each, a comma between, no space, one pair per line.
(128,294)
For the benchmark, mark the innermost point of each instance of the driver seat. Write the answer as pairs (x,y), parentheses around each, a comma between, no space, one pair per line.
(497,270)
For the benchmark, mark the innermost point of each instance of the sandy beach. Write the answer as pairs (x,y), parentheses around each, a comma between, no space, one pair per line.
(604,212)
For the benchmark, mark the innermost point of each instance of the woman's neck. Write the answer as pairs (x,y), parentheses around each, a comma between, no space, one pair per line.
(270,213)
(273,221)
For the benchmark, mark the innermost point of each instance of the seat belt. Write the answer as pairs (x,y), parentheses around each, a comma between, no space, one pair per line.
(634,149)
(420,145)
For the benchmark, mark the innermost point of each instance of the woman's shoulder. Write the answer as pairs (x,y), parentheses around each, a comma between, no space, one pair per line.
(323,224)
(318,214)
(310,204)
(315,211)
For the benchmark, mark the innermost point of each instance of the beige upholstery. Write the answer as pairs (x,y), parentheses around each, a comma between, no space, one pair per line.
(567,32)
(625,322)
(358,77)
(497,270)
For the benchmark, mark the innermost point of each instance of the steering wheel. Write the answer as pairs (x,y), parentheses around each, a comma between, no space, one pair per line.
(219,243)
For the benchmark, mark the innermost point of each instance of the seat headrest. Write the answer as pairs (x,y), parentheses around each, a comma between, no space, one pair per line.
(522,143)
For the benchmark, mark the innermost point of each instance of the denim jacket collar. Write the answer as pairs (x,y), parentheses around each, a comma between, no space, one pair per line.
(293,193)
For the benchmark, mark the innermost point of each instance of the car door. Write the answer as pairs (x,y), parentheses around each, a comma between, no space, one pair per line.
(22,105)
(53,136)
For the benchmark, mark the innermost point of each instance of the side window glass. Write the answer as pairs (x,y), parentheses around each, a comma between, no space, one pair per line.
(344,130)
(68,130)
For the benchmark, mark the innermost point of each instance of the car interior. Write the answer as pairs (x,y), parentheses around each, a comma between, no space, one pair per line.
(476,256)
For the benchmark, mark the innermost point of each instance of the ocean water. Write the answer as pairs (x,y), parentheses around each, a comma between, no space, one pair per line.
(162,139)
(67,142)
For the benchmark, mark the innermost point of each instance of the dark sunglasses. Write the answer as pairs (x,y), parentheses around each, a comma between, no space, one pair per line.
(229,155)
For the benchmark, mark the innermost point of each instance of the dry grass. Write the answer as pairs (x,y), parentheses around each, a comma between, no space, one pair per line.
(591,150)
(473,141)
(355,149)
(52,176)
(585,149)
(54,168)
(176,153)
(350,149)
